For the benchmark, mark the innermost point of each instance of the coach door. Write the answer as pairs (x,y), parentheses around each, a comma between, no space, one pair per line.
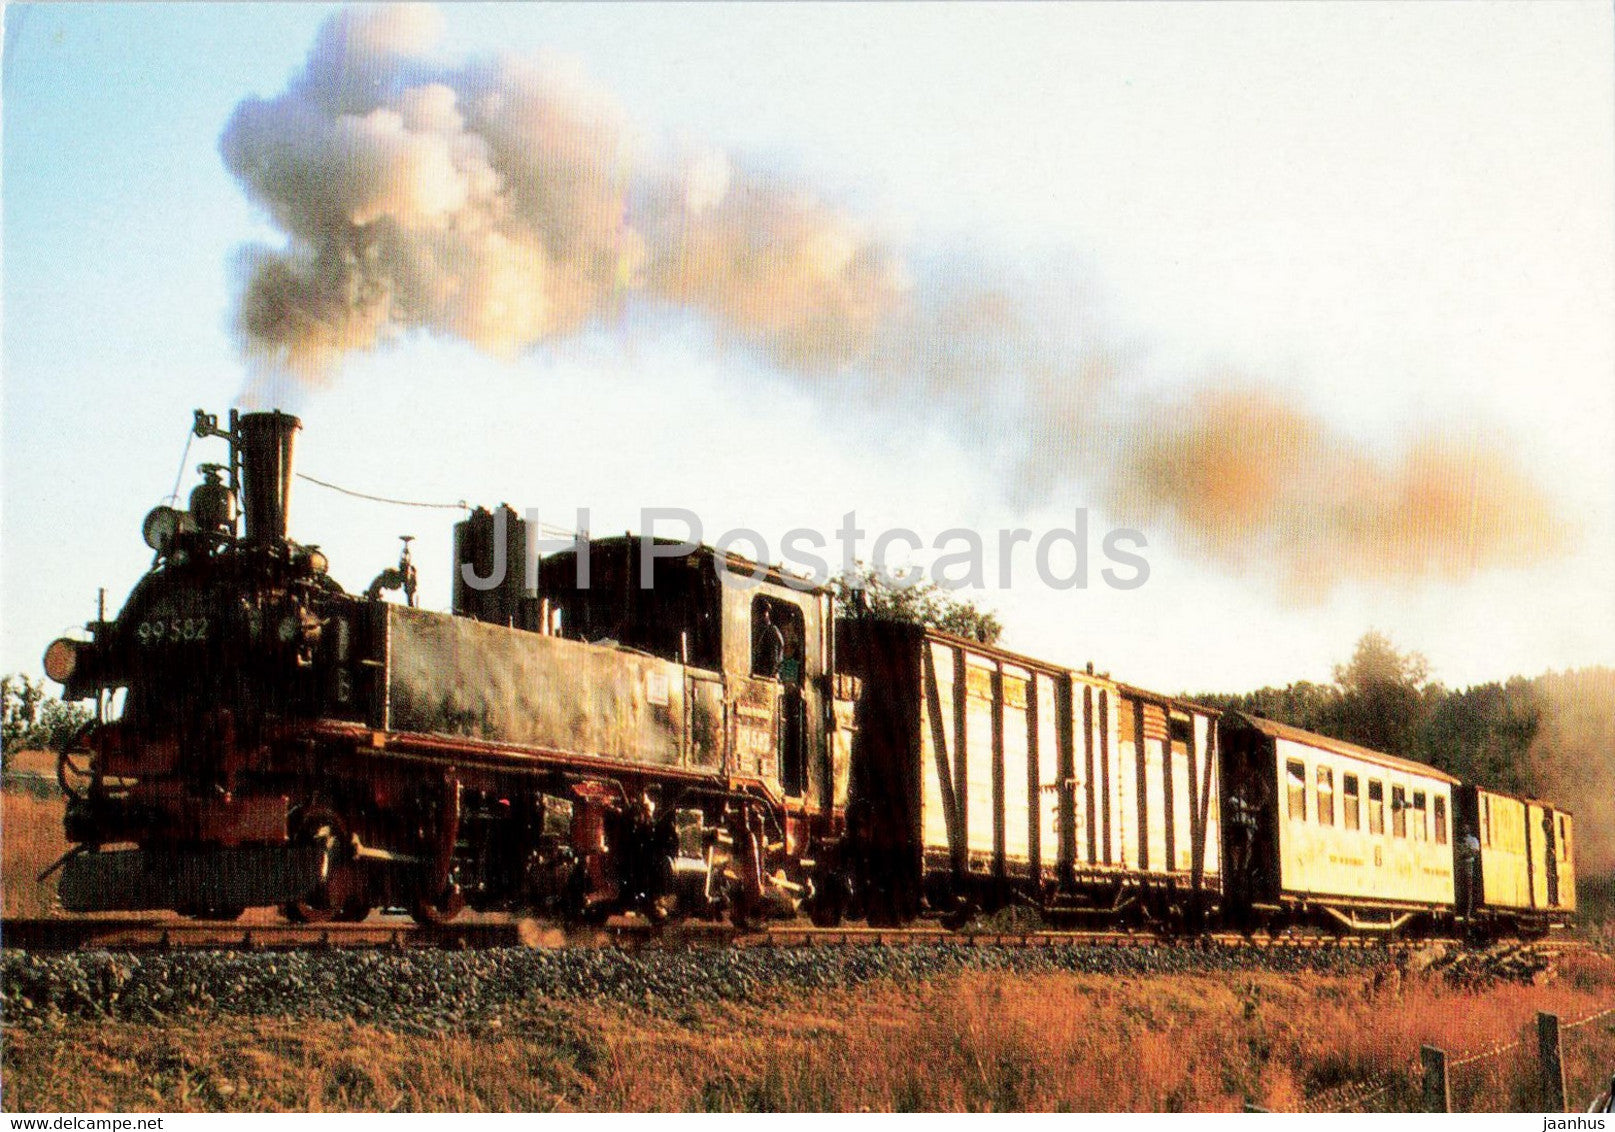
(1550,849)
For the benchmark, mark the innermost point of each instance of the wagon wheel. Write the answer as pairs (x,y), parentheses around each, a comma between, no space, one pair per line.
(828,905)
(319,826)
(744,916)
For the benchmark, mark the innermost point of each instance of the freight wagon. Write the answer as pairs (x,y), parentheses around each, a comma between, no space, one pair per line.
(982,776)
(1516,861)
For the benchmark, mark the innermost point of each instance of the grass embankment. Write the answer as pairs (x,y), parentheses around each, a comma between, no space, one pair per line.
(30,839)
(971,1041)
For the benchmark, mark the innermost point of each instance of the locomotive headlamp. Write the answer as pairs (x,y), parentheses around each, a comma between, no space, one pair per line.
(62,659)
(162,525)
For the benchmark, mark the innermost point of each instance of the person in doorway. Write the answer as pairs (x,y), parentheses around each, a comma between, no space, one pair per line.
(1469,874)
(768,646)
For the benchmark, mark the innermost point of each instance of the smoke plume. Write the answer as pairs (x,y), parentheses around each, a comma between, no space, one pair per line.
(508,201)
(1251,479)
(1570,760)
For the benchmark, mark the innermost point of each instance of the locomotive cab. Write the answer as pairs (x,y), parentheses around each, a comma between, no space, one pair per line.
(748,637)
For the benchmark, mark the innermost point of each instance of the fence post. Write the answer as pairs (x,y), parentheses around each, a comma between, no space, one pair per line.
(1437,1097)
(1551,1063)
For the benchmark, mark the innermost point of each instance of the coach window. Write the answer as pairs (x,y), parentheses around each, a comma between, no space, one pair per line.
(1441,820)
(1326,796)
(1295,775)
(1421,826)
(1399,811)
(1350,803)
(1486,820)
(1376,808)
(1564,838)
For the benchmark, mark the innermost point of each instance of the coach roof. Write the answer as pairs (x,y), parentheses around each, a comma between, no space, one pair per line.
(1340,747)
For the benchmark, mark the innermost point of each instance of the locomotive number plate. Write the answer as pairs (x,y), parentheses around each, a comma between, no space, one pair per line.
(172,630)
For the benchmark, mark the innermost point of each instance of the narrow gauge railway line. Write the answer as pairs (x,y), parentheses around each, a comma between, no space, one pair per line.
(152,934)
(658,735)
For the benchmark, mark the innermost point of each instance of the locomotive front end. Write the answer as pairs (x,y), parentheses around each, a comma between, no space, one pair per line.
(175,796)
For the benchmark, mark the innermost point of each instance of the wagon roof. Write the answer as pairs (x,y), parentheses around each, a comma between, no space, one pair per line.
(1164,700)
(775,572)
(1341,747)
(1007,656)
(1528,799)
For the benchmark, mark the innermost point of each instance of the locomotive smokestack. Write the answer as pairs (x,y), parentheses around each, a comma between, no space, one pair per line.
(265,442)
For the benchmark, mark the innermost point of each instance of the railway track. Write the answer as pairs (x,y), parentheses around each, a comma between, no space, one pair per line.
(152,934)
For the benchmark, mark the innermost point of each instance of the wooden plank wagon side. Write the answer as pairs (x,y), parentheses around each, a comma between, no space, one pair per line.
(1516,862)
(983,777)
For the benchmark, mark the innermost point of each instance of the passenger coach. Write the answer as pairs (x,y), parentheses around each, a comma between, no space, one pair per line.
(1324,830)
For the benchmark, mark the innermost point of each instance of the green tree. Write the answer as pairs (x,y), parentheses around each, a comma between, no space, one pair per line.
(1485,734)
(19,713)
(31,719)
(866,592)
(1302,704)
(1385,697)
(1379,699)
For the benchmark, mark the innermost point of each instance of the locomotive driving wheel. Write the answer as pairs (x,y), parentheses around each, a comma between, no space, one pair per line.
(340,896)
(439,909)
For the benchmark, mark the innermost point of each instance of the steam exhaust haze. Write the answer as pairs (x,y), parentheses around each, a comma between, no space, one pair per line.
(508,202)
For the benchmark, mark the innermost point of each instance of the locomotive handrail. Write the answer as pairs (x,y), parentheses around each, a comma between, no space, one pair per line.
(64,763)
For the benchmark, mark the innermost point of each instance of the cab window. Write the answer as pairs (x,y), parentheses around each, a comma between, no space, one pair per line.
(1295,776)
(777,640)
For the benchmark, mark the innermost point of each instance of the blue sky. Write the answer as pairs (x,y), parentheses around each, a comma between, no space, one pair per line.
(1398,214)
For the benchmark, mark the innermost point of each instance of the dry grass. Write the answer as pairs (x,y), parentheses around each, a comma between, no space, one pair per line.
(30,840)
(974,1041)
(40,764)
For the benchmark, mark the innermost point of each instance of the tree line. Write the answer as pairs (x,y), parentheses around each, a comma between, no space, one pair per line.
(1550,736)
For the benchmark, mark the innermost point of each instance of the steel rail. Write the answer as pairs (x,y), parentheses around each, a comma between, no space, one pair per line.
(152,933)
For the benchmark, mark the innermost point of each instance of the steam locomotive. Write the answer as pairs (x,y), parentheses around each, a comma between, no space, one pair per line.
(632,727)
